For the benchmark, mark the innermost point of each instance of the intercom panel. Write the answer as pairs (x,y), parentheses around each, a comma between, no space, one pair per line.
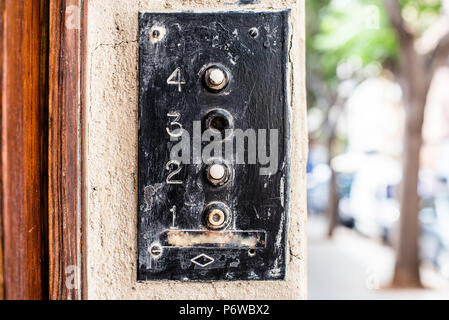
(213,148)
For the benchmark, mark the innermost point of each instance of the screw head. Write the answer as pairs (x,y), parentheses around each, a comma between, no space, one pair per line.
(253,32)
(155,250)
(156,34)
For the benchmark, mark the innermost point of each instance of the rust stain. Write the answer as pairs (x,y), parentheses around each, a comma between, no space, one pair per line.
(149,193)
(189,239)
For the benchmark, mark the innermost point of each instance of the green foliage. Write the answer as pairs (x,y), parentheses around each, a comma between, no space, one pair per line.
(420,13)
(351,28)
(357,30)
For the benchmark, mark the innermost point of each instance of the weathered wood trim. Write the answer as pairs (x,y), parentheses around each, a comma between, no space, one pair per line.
(23,83)
(2,57)
(66,150)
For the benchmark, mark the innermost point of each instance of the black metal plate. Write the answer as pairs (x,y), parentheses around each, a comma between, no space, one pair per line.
(173,242)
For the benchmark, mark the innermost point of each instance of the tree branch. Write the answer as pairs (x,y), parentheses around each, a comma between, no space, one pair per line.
(395,13)
(440,54)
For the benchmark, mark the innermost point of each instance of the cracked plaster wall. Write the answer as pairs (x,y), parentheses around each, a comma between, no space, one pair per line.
(112,101)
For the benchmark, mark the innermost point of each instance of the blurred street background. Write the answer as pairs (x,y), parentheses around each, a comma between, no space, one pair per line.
(352,266)
(378,169)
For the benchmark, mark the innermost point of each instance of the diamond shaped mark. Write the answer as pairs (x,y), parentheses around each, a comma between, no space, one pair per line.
(202,260)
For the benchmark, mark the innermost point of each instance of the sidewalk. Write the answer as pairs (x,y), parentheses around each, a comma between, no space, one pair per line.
(353,267)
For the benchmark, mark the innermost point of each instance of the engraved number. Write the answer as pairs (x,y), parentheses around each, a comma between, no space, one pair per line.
(171,175)
(178,132)
(176,78)
(173,211)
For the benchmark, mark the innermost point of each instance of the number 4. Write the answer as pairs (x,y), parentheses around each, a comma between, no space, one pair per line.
(176,78)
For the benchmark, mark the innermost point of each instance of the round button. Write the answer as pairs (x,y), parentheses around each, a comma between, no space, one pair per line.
(217,172)
(216,218)
(216,76)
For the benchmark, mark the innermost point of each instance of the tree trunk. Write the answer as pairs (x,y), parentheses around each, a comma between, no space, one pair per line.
(418,73)
(333,204)
(332,210)
(417,82)
(406,272)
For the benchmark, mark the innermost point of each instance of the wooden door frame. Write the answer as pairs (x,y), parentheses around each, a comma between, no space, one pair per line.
(42,173)
(67,203)
(24,85)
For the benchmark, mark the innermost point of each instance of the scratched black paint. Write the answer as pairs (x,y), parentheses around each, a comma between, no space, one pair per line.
(245,2)
(256,98)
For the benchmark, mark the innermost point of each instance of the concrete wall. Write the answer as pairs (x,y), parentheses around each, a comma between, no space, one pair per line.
(112,103)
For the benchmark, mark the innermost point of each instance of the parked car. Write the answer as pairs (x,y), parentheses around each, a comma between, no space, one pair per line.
(368,199)
(434,240)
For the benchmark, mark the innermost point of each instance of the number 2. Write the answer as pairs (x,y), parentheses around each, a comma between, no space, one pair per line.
(171,175)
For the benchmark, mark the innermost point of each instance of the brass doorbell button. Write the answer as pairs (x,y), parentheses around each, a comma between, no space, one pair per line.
(221,121)
(218,172)
(216,78)
(216,216)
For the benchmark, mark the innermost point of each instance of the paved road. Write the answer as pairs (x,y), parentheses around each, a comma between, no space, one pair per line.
(353,267)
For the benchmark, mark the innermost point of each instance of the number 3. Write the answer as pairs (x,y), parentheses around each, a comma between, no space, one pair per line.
(178,132)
